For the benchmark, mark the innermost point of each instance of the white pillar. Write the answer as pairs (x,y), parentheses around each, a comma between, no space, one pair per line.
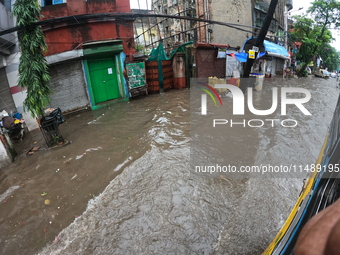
(286,26)
(19,95)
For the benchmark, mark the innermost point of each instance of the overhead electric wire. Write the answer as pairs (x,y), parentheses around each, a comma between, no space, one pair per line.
(125,16)
(78,19)
(142,22)
(181,32)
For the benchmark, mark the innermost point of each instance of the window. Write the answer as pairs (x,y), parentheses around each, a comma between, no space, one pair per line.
(52,2)
(272,26)
(259,17)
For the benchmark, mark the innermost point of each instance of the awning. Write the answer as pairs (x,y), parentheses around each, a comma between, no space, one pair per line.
(275,50)
(276,55)
(102,48)
(271,49)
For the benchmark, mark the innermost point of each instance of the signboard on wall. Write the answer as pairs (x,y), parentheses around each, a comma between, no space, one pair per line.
(136,74)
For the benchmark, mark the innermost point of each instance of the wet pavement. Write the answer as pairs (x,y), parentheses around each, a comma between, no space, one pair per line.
(123,185)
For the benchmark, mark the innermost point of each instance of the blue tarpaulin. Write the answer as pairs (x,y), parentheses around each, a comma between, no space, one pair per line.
(241,56)
(126,89)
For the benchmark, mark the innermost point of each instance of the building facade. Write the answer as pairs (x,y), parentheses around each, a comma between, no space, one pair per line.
(176,31)
(242,20)
(84,42)
(146,31)
(86,51)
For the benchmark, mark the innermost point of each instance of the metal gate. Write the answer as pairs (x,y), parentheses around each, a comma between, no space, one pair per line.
(104,82)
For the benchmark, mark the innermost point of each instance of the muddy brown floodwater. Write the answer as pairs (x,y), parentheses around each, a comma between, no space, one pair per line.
(124,186)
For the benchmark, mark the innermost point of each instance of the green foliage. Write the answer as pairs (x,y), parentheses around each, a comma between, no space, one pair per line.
(330,57)
(326,12)
(312,36)
(140,48)
(314,33)
(304,73)
(33,67)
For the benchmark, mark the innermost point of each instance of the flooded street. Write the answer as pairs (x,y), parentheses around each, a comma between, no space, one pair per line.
(124,183)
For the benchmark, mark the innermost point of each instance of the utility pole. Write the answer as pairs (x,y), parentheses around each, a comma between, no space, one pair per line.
(261,36)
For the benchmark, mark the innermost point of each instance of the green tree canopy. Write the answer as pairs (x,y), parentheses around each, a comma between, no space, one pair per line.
(314,32)
(330,58)
(307,32)
(325,12)
(33,67)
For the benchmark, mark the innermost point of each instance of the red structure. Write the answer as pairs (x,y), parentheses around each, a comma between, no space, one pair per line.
(208,65)
(72,24)
(87,46)
(178,64)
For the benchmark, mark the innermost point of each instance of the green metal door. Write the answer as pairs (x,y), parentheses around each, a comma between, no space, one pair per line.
(104,80)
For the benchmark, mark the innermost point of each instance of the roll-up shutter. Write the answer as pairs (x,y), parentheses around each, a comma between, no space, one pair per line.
(69,87)
(6,99)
